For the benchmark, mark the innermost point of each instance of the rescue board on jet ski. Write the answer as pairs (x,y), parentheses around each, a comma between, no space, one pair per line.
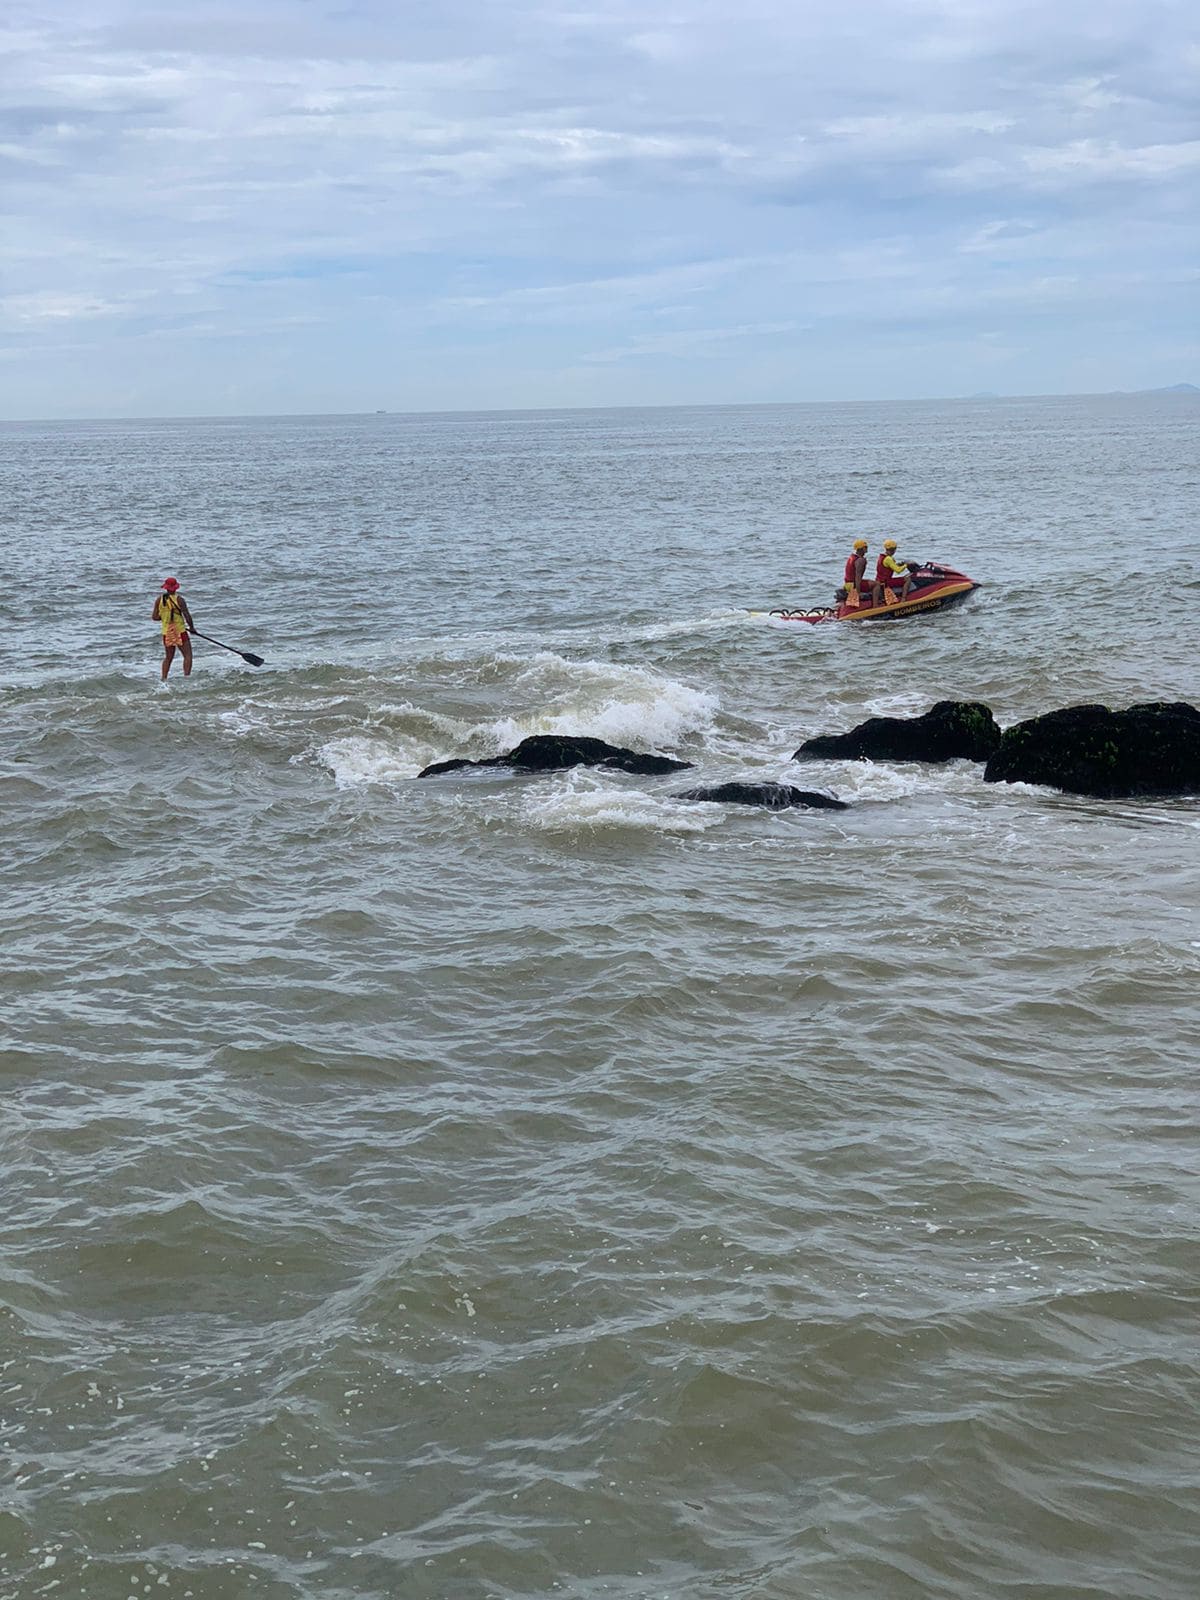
(934,587)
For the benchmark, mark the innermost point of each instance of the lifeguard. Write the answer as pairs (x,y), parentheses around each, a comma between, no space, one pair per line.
(856,572)
(892,575)
(171,610)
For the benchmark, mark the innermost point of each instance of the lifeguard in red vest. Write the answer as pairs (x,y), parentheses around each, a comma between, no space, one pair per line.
(892,577)
(856,572)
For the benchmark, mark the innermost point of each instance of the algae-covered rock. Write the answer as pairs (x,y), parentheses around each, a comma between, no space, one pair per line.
(952,730)
(554,752)
(1151,749)
(774,796)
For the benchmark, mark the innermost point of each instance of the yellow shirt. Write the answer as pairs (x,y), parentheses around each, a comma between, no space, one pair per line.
(897,568)
(170,615)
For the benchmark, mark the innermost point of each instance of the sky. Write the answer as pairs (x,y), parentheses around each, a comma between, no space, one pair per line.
(282,206)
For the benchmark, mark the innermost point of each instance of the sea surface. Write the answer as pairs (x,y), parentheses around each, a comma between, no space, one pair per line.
(495,1186)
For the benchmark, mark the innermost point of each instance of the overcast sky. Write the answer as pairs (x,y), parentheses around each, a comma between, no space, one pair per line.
(331,205)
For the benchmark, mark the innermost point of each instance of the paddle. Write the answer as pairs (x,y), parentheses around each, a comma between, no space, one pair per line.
(246,655)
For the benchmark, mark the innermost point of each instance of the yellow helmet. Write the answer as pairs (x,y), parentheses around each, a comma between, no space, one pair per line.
(860,544)
(889,544)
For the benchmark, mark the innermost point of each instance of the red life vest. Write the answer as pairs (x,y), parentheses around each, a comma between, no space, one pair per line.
(887,574)
(851,568)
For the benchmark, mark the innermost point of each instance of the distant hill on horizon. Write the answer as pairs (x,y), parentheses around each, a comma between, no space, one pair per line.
(1171,388)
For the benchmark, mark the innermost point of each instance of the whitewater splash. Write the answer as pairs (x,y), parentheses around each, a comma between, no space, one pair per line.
(360,760)
(631,706)
(625,705)
(582,801)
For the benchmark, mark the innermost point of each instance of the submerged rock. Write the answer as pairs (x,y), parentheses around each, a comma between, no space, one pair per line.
(1149,749)
(554,752)
(952,730)
(774,796)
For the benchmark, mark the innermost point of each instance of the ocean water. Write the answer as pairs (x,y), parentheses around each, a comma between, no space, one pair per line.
(495,1186)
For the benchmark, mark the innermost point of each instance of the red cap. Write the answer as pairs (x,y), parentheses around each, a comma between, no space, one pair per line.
(171,583)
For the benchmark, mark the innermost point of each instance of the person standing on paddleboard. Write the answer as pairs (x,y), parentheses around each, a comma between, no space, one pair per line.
(171,610)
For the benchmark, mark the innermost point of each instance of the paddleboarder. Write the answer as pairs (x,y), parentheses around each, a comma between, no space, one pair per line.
(171,611)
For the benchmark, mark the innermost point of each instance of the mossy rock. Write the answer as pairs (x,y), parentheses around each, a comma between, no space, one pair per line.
(1151,749)
(951,730)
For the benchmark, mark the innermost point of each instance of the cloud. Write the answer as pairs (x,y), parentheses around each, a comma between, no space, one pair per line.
(1105,159)
(589,298)
(520,187)
(1079,164)
(690,341)
(998,238)
(23,311)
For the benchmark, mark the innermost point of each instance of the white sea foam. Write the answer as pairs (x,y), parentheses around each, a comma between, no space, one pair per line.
(241,721)
(493,644)
(909,703)
(878,780)
(392,755)
(358,760)
(436,721)
(579,802)
(713,622)
(626,705)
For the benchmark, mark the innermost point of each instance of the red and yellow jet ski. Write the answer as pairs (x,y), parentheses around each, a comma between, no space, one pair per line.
(933,587)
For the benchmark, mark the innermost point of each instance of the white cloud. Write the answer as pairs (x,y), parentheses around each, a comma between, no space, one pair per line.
(22,311)
(1089,96)
(999,237)
(588,297)
(915,130)
(495,170)
(689,342)
(1097,158)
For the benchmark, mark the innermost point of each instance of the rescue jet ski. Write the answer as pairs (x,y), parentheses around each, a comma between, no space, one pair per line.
(934,586)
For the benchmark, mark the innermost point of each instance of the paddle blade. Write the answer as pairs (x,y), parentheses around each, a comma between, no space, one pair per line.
(251,659)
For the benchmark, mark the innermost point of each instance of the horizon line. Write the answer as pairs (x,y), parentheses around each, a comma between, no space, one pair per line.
(526,411)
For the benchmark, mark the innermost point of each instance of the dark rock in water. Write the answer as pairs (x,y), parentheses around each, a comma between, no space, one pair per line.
(952,730)
(553,752)
(549,752)
(1147,750)
(774,796)
(439,767)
